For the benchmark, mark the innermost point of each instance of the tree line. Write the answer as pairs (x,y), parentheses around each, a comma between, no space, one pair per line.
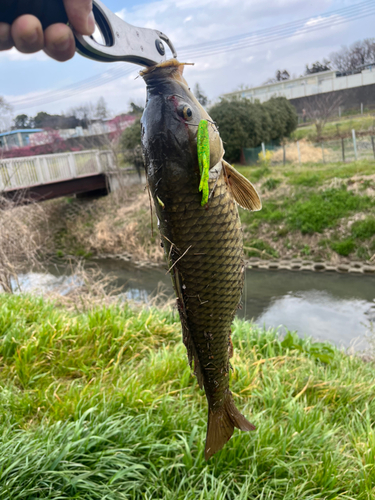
(80,116)
(346,60)
(241,123)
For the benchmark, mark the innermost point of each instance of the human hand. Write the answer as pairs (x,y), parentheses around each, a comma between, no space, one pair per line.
(27,35)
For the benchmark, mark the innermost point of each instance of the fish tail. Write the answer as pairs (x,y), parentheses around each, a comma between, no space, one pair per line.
(221,424)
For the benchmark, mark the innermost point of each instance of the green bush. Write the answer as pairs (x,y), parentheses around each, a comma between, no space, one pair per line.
(131,137)
(246,124)
(345,247)
(364,229)
(270,184)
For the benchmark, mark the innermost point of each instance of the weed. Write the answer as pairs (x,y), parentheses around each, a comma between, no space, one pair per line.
(324,209)
(259,248)
(363,253)
(344,247)
(270,184)
(282,232)
(322,351)
(364,229)
(306,250)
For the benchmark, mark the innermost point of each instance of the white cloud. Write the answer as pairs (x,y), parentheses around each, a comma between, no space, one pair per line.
(193,22)
(14,55)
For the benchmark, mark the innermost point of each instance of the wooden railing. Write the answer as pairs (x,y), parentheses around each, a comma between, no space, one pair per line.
(22,173)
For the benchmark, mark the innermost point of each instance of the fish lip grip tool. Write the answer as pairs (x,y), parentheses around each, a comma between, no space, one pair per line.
(121,40)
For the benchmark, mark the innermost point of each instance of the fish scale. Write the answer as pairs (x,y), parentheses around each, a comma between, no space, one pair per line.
(211,282)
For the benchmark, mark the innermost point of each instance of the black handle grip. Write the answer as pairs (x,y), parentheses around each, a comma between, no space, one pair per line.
(47,11)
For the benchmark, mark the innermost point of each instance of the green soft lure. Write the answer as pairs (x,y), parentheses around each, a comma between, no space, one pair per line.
(203,143)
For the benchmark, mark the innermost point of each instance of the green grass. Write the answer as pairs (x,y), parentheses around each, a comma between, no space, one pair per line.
(309,211)
(344,247)
(307,203)
(102,405)
(364,229)
(323,209)
(337,127)
(309,174)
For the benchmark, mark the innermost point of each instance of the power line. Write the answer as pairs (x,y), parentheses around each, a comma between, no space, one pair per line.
(259,40)
(344,11)
(239,42)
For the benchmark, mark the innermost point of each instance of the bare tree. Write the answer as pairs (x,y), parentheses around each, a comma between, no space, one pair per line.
(358,54)
(101,109)
(200,95)
(20,240)
(5,115)
(320,108)
(84,113)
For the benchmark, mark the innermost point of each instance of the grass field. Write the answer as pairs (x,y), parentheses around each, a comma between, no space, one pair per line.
(312,210)
(102,405)
(340,126)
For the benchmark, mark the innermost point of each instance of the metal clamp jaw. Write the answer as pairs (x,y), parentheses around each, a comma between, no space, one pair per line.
(123,42)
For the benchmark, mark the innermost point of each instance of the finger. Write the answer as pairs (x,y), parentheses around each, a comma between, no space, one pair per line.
(59,42)
(27,34)
(6,41)
(81,16)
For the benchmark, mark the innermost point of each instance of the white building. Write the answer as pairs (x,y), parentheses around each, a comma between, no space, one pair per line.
(304,86)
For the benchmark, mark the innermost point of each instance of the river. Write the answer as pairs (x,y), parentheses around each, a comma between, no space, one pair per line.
(328,306)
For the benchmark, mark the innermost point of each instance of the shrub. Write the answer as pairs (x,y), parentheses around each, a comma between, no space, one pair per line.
(344,247)
(131,137)
(246,124)
(270,184)
(364,229)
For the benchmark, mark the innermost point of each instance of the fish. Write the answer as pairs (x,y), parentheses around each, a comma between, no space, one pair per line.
(202,237)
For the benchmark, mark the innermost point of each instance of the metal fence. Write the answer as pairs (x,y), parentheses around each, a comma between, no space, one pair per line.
(21,173)
(339,150)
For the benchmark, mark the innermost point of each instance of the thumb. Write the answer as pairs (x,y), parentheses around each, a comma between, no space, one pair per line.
(80,15)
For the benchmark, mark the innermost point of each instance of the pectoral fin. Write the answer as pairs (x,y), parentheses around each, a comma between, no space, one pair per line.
(241,188)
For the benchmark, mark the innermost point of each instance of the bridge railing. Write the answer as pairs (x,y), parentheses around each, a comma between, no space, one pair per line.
(21,173)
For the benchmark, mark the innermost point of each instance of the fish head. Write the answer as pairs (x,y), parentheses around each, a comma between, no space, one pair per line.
(173,113)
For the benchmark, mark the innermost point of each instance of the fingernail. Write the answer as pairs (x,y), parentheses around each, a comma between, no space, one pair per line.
(63,44)
(31,38)
(91,23)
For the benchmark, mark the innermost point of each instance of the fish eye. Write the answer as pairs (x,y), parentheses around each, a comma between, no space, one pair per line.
(185,112)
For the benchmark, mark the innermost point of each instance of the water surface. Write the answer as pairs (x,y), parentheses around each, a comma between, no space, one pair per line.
(327,306)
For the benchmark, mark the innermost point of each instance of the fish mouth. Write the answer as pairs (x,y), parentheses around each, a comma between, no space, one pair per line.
(173,67)
(169,74)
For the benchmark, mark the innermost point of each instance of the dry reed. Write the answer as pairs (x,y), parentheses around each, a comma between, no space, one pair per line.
(309,153)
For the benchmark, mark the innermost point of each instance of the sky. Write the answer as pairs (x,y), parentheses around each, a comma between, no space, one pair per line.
(30,79)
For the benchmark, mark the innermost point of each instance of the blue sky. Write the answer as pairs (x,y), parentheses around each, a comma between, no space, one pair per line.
(188,22)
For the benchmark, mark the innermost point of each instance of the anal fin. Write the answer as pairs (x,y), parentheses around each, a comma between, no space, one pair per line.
(241,188)
(221,424)
(186,336)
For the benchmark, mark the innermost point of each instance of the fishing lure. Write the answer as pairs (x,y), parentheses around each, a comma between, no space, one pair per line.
(203,145)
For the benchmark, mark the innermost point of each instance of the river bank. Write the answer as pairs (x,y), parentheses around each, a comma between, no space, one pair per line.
(322,213)
(101,403)
(338,308)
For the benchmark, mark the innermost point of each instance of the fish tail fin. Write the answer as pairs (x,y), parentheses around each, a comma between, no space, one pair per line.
(221,424)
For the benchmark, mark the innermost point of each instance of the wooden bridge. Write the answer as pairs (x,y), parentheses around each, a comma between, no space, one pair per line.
(38,178)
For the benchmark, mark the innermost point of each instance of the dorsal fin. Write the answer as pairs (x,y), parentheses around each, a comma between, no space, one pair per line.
(241,188)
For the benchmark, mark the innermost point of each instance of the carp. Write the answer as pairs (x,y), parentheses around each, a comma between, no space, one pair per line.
(202,237)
